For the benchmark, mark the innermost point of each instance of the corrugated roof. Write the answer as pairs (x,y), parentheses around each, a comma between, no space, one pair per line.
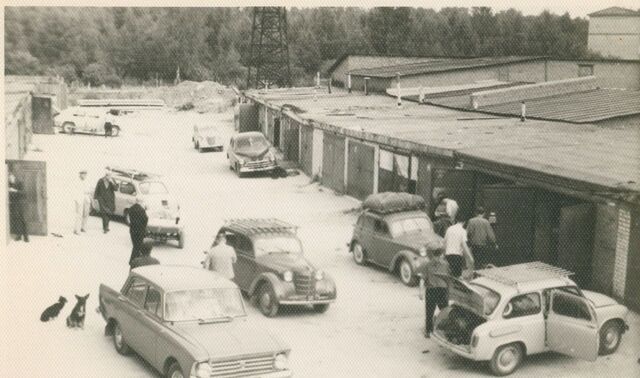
(615,11)
(439,65)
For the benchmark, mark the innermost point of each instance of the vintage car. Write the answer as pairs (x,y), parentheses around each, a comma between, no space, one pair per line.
(189,322)
(392,231)
(206,138)
(162,209)
(86,120)
(250,152)
(271,268)
(506,313)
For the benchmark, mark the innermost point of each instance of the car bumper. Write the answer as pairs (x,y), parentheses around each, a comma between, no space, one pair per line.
(457,349)
(258,166)
(276,374)
(303,301)
(163,226)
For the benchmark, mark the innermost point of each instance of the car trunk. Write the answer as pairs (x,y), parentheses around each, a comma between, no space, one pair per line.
(456,324)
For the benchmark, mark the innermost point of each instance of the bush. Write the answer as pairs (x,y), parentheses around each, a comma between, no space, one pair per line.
(21,63)
(67,72)
(113,81)
(98,74)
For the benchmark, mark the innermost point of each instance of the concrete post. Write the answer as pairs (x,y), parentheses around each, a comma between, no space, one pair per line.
(399,95)
(349,82)
(318,79)
(366,86)
(421,95)
(523,111)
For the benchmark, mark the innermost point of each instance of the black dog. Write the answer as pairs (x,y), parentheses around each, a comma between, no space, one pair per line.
(52,311)
(76,318)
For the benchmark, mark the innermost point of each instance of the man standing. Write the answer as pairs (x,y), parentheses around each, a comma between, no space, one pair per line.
(137,227)
(221,257)
(144,258)
(105,195)
(17,223)
(444,214)
(82,203)
(433,288)
(482,240)
(457,251)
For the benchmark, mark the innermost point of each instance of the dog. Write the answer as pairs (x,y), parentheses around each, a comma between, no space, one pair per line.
(52,311)
(76,318)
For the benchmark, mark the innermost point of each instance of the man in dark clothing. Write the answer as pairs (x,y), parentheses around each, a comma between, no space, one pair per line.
(105,195)
(137,227)
(16,208)
(482,239)
(432,285)
(144,258)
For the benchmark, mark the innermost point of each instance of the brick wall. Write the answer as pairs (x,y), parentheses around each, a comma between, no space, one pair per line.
(622,252)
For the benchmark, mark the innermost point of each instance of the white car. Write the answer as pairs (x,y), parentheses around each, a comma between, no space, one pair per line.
(206,138)
(86,120)
(509,312)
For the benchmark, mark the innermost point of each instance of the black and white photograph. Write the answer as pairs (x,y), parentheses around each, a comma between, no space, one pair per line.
(375,189)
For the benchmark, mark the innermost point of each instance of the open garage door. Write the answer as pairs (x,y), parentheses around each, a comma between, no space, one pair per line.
(41,115)
(360,169)
(291,141)
(333,162)
(575,241)
(458,184)
(306,149)
(33,175)
(632,286)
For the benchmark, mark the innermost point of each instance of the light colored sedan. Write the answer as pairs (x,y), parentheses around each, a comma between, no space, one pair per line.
(251,152)
(86,120)
(206,138)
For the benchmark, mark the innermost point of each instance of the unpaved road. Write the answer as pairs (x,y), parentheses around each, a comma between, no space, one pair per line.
(373,330)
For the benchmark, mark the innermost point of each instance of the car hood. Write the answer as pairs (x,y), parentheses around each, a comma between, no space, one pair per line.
(417,240)
(235,338)
(286,261)
(253,151)
(599,300)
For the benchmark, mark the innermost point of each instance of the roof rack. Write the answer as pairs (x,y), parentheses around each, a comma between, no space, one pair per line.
(260,225)
(133,173)
(514,275)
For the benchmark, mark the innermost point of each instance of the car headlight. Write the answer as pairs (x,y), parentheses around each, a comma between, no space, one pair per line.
(201,370)
(423,251)
(281,362)
(319,275)
(288,276)
(241,161)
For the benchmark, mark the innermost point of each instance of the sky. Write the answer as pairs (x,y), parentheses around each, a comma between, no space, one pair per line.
(576,8)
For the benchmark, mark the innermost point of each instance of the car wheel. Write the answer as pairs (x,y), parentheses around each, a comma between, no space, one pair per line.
(321,308)
(175,371)
(237,169)
(358,254)
(506,359)
(68,127)
(405,271)
(118,341)
(181,239)
(267,301)
(115,130)
(610,337)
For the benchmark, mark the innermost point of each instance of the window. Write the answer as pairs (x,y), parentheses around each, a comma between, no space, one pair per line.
(127,188)
(380,227)
(136,292)
(523,305)
(277,244)
(152,303)
(567,289)
(243,245)
(570,305)
(410,225)
(153,187)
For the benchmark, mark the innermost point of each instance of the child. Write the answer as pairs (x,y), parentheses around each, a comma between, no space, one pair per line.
(433,286)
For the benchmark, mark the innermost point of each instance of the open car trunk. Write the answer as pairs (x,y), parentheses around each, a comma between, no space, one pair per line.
(456,324)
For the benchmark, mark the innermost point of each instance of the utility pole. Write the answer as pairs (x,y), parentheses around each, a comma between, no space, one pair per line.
(269,50)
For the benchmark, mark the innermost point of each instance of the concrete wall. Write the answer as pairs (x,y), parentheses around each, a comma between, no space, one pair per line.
(18,128)
(354,62)
(609,74)
(615,36)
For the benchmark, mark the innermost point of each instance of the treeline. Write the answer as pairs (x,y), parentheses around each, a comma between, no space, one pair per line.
(141,45)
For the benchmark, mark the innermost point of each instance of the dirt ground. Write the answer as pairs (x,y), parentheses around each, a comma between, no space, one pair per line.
(373,330)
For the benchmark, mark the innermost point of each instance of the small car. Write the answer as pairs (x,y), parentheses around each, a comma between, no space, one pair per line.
(506,313)
(86,120)
(271,268)
(162,209)
(250,152)
(206,138)
(189,322)
(392,231)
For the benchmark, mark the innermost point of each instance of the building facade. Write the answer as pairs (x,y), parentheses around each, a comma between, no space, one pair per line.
(615,32)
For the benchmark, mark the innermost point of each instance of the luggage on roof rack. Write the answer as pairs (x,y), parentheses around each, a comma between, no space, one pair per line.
(132,173)
(393,202)
(261,225)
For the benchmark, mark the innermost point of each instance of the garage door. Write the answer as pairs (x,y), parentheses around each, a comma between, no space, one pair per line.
(306,149)
(333,162)
(33,175)
(458,184)
(360,170)
(291,140)
(632,288)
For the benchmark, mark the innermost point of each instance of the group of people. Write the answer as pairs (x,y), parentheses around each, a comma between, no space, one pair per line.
(467,245)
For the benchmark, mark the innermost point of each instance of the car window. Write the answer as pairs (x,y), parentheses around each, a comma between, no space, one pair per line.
(153,187)
(152,304)
(567,289)
(570,305)
(287,244)
(251,141)
(368,222)
(127,188)
(522,305)
(243,245)
(380,226)
(410,225)
(137,291)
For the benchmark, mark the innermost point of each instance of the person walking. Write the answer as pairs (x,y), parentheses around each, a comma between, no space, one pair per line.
(145,257)
(457,251)
(444,214)
(433,287)
(137,226)
(82,202)
(17,224)
(105,195)
(221,257)
(482,239)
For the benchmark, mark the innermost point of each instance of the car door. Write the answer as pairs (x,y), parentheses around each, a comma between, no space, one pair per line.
(384,248)
(151,327)
(132,303)
(572,327)
(246,267)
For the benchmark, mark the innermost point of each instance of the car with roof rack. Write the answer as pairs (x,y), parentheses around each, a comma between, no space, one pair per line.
(272,269)
(162,208)
(505,313)
(392,232)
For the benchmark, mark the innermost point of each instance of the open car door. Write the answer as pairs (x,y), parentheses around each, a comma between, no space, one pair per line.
(572,327)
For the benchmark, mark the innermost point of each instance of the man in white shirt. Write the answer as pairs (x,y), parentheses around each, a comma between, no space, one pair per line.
(82,202)
(221,257)
(457,251)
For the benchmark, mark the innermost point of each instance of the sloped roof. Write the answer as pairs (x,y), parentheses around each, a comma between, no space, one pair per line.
(615,11)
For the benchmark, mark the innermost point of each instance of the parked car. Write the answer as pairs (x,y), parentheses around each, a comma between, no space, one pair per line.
(272,269)
(392,232)
(250,152)
(509,312)
(206,138)
(189,322)
(162,209)
(86,120)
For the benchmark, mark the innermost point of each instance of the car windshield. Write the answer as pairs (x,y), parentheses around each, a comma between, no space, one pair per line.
(153,187)
(409,225)
(277,244)
(490,297)
(250,142)
(203,304)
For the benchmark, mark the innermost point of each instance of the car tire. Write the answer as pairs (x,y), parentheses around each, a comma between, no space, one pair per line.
(181,239)
(237,169)
(359,255)
(175,371)
(118,340)
(406,273)
(321,308)
(266,300)
(506,359)
(115,130)
(610,337)
(68,127)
